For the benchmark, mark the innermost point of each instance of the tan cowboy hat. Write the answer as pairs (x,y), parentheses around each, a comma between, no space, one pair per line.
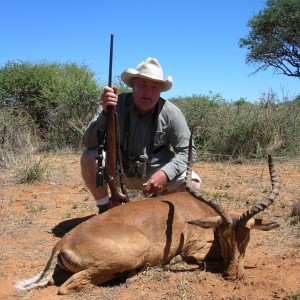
(148,69)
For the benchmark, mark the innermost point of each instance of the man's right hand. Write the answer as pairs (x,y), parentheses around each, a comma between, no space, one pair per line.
(109,97)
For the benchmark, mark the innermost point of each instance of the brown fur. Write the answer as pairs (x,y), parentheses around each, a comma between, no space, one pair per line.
(138,234)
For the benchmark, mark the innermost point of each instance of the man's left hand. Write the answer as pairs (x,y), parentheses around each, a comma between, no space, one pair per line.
(155,183)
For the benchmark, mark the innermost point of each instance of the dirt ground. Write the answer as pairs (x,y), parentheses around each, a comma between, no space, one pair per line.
(34,216)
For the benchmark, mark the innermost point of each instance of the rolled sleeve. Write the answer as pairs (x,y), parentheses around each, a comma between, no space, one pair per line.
(99,122)
(178,135)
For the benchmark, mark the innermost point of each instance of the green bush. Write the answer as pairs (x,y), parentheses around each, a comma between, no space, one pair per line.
(48,105)
(200,112)
(241,128)
(59,98)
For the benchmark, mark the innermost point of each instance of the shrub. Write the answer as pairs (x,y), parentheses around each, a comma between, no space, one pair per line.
(34,171)
(59,98)
(241,128)
(17,138)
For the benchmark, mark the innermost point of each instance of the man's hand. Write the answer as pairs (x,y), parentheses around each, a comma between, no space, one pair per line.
(155,183)
(109,97)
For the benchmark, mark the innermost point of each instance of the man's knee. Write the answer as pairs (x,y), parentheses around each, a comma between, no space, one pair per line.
(88,157)
(181,188)
(196,184)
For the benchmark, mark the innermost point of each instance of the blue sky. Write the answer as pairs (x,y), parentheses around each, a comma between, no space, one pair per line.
(195,41)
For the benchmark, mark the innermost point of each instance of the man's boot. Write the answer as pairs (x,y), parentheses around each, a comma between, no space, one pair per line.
(102,208)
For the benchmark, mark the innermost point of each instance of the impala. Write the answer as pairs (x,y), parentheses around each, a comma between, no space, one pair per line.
(152,232)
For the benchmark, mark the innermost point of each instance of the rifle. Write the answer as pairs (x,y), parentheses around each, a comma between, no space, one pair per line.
(112,141)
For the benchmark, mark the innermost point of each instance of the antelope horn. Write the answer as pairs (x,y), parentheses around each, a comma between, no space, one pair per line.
(205,199)
(246,216)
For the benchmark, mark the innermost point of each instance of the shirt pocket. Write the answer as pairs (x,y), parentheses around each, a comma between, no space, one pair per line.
(160,139)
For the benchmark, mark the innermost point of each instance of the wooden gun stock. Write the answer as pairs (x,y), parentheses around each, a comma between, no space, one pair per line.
(117,197)
(111,159)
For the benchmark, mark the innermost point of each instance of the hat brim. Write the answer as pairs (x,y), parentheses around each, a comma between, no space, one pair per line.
(129,74)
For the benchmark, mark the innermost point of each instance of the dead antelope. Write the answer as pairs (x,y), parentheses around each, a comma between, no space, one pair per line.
(152,232)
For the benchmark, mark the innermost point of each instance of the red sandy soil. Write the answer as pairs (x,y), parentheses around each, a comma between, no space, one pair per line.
(34,216)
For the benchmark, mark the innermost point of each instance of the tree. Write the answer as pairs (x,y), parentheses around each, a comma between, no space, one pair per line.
(274,40)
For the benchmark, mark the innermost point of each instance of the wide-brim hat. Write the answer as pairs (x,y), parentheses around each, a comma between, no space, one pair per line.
(148,69)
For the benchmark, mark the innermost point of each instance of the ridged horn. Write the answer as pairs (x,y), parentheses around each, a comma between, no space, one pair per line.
(246,216)
(205,199)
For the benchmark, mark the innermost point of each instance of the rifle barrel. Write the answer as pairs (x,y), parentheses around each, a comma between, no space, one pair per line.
(111,60)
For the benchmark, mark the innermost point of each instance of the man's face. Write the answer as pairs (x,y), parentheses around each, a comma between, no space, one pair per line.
(145,94)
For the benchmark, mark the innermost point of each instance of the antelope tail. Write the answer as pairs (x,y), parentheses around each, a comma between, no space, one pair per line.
(43,278)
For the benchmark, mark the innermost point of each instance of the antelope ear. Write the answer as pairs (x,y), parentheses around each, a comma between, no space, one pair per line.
(264,224)
(207,222)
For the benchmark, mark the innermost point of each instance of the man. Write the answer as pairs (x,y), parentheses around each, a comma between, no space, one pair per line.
(149,126)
